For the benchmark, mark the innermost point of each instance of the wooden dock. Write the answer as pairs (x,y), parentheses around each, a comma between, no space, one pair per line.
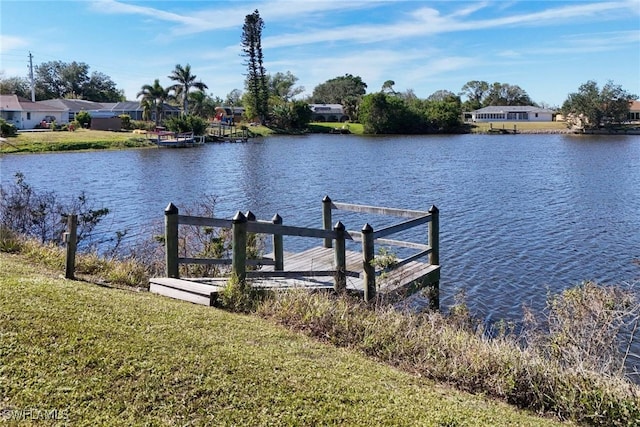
(328,266)
(175,140)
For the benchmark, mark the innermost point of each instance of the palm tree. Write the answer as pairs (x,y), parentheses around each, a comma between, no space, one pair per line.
(185,81)
(155,95)
(146,106)
(202,105)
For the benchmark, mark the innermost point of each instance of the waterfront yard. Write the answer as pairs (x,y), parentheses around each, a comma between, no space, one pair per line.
(81,139)
(91,355)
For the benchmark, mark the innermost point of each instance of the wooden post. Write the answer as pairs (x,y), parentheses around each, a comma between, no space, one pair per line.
(340,258)
(71,238)
(239,246)
(326,218)
(368,252)
(434,256)
(434,236)
(278,246)
(171,240)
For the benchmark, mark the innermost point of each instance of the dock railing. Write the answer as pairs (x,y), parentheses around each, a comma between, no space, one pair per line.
(242,224)
(332,235)
(369,238)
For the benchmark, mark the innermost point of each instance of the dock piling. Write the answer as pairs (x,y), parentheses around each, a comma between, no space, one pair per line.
(278,245)
(326,218)
(340,258)
(171,240)
(71,239)
(239,246)
(368,269)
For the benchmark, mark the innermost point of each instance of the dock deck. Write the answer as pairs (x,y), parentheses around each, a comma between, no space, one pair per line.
(397,283)
(330,266)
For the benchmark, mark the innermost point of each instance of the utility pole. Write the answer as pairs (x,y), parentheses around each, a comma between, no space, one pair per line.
(33,86)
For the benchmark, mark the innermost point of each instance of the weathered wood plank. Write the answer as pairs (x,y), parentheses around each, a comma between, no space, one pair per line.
(204,221)
(185,285)
(290,230)
(404,244)
(179,294)
(402,226)
(378,210)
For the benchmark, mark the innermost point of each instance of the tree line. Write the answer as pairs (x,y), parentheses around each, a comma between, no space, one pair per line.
(270,99)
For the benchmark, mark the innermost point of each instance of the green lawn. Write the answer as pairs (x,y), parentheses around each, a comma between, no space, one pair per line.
(81,139)
(102,356)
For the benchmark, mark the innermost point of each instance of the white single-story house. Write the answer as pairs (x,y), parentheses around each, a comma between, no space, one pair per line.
(327,113)
(511,113)
(24,114)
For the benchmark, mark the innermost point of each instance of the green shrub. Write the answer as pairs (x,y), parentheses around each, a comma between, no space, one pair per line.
(189,123)
(84,118)
(10,241)
(126,121)
(143,125)
(239,296)
(7,129)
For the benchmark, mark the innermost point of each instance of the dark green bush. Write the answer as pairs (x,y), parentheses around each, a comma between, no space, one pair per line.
(126,121)
(84,118)
(189,123)
(7,129)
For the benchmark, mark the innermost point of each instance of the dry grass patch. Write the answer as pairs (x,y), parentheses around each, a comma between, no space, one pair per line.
(453,350)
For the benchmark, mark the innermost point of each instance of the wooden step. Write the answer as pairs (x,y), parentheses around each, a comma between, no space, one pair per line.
(187,290)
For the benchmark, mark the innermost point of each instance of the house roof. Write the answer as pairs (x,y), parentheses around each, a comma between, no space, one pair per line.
(122,106)
(84,105)
(513,109)
(16,103)
(634,106)
(72,104)
(326,108)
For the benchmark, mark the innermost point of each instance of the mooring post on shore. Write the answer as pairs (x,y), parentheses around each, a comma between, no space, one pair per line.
(340,258)
(278,245)
(239,246)
(326,218)
(71,239)
(369,271)
(434,255)
(171,240)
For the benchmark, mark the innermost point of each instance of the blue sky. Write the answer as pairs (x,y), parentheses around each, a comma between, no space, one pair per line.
(548,48)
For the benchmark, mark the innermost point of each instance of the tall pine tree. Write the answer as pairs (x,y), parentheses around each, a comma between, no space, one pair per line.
(256,73)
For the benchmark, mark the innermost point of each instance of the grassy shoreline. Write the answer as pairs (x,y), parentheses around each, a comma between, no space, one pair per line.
(111,356)
(84,139)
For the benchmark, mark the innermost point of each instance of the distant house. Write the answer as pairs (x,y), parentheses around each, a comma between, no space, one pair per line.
(24,114)
(108,109)
(512,114)
(72,106)
(634,111)
(327,113)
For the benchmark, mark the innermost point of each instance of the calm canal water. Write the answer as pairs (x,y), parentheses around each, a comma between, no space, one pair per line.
(520,214)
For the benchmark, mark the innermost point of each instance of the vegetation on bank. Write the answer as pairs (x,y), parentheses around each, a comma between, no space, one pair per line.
(93,355)
(566,364)
(85,139)
(568,361)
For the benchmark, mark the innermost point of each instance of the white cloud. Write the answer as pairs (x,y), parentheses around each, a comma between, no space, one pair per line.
(9,43)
